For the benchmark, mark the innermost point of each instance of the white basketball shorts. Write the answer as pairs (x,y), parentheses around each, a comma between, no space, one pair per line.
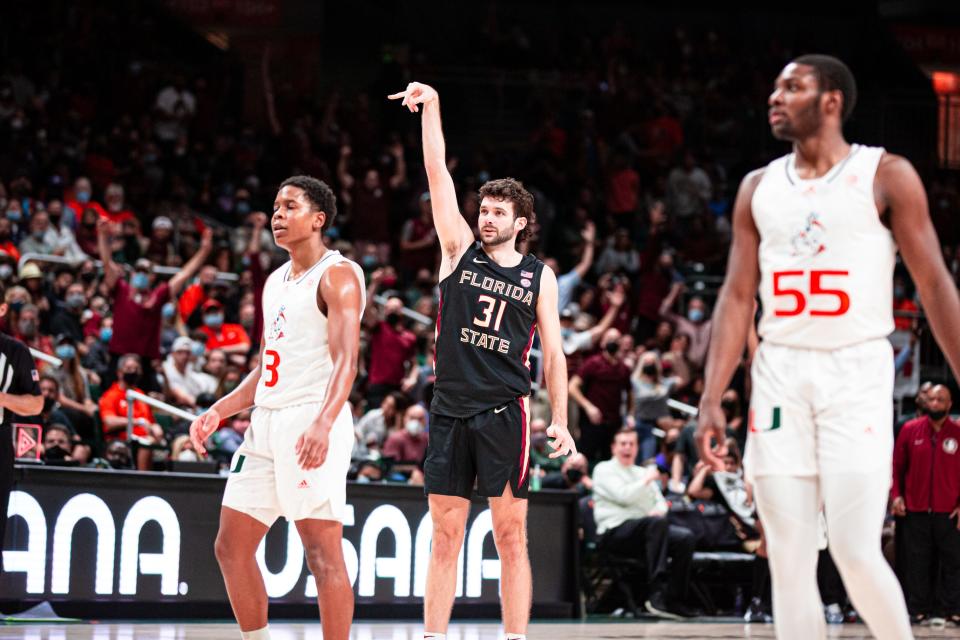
(266,481)
(817,411)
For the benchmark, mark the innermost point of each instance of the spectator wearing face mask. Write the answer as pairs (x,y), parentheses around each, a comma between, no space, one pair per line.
(113,410)
(183,381)
(68,316)
(181,449)
(228,337)
(36,241)
(137,305)
(540,449)
(573,340)
(599,388)
(408,445)
(74,387)
(697,325)
(118,455)
(392,347)
(574,475)
(82,199)
(7,267)
(28,332)
(57,446)
(97,358)
(59,234)
(651,390)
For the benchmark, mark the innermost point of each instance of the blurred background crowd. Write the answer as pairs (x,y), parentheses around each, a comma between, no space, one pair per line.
(139,158)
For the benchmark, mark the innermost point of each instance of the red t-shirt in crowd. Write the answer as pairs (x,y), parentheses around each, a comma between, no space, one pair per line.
(403,447)
(603,384)
(113,403)
(136,324)
(926,466)
(191,298)
(228,336)
(118,217)
(389,350)
(623,189)
(903,323)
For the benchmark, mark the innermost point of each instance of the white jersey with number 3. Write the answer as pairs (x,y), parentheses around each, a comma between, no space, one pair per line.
(826,259)
(296,365)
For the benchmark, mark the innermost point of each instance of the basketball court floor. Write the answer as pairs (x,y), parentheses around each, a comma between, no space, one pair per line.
(408,631)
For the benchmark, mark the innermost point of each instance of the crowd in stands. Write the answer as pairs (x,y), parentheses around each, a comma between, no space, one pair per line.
(134,245)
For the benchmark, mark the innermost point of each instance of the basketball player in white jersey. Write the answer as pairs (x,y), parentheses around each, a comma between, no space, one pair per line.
(294,458)
(817,231)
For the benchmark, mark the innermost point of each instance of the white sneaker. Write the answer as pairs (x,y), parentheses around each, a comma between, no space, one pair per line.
(938,622)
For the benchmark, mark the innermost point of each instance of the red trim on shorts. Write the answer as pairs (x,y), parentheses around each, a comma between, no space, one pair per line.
(526,350)
(524,440)
(436,334)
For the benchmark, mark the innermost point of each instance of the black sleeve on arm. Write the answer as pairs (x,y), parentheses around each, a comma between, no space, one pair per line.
(26,378)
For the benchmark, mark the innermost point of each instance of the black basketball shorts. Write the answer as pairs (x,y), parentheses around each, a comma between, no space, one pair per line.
(486,450)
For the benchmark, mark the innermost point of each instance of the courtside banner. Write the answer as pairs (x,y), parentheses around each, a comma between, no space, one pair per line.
(127,539)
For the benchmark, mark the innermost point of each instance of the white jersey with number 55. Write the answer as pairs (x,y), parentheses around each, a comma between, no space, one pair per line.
(826,259)
(296,364)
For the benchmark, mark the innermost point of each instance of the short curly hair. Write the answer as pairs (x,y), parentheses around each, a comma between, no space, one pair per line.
(511,190)
(318,194)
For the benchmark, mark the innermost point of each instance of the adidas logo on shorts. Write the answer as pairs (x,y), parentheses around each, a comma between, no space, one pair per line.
(303,485)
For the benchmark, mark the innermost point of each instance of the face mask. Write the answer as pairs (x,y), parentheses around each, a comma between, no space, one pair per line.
(197,349)
(230,385)
(38,235)
(17,305)
(5,271)
(168,311)
(106,333)
(88,276)
(213,320)
(83,196)
(76,300)
(131,378)
(393,318)
(695,315)
(369,261)
(48,404)
(66,352)
(649,370)
(363,480)
(140,280)
(937,415)
(612,348)
(187,455)
(28,328)
(413,427)
(729,406)
(574,475)
(55,453)
(14,215)
(566,332)
(242,208)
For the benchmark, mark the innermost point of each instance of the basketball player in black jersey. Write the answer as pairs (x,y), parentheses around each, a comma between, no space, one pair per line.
(492,299)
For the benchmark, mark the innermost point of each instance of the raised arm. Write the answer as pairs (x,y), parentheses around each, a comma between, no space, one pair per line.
(452,229)
(731,320)
(194,263)
(111,270)
(554,363)
(616,299)
(589,235)
(342,292)
(901,190)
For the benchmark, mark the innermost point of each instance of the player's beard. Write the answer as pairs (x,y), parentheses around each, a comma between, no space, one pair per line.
(806,123)
(506,235)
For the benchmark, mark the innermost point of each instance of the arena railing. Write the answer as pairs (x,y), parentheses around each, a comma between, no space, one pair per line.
(156,404)
(46,357)
(162,270)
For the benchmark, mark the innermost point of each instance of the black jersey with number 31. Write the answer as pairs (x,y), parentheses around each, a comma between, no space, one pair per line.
(485,326)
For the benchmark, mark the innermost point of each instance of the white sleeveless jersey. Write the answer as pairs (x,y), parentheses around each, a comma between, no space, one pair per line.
(296,364)
(826,260)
